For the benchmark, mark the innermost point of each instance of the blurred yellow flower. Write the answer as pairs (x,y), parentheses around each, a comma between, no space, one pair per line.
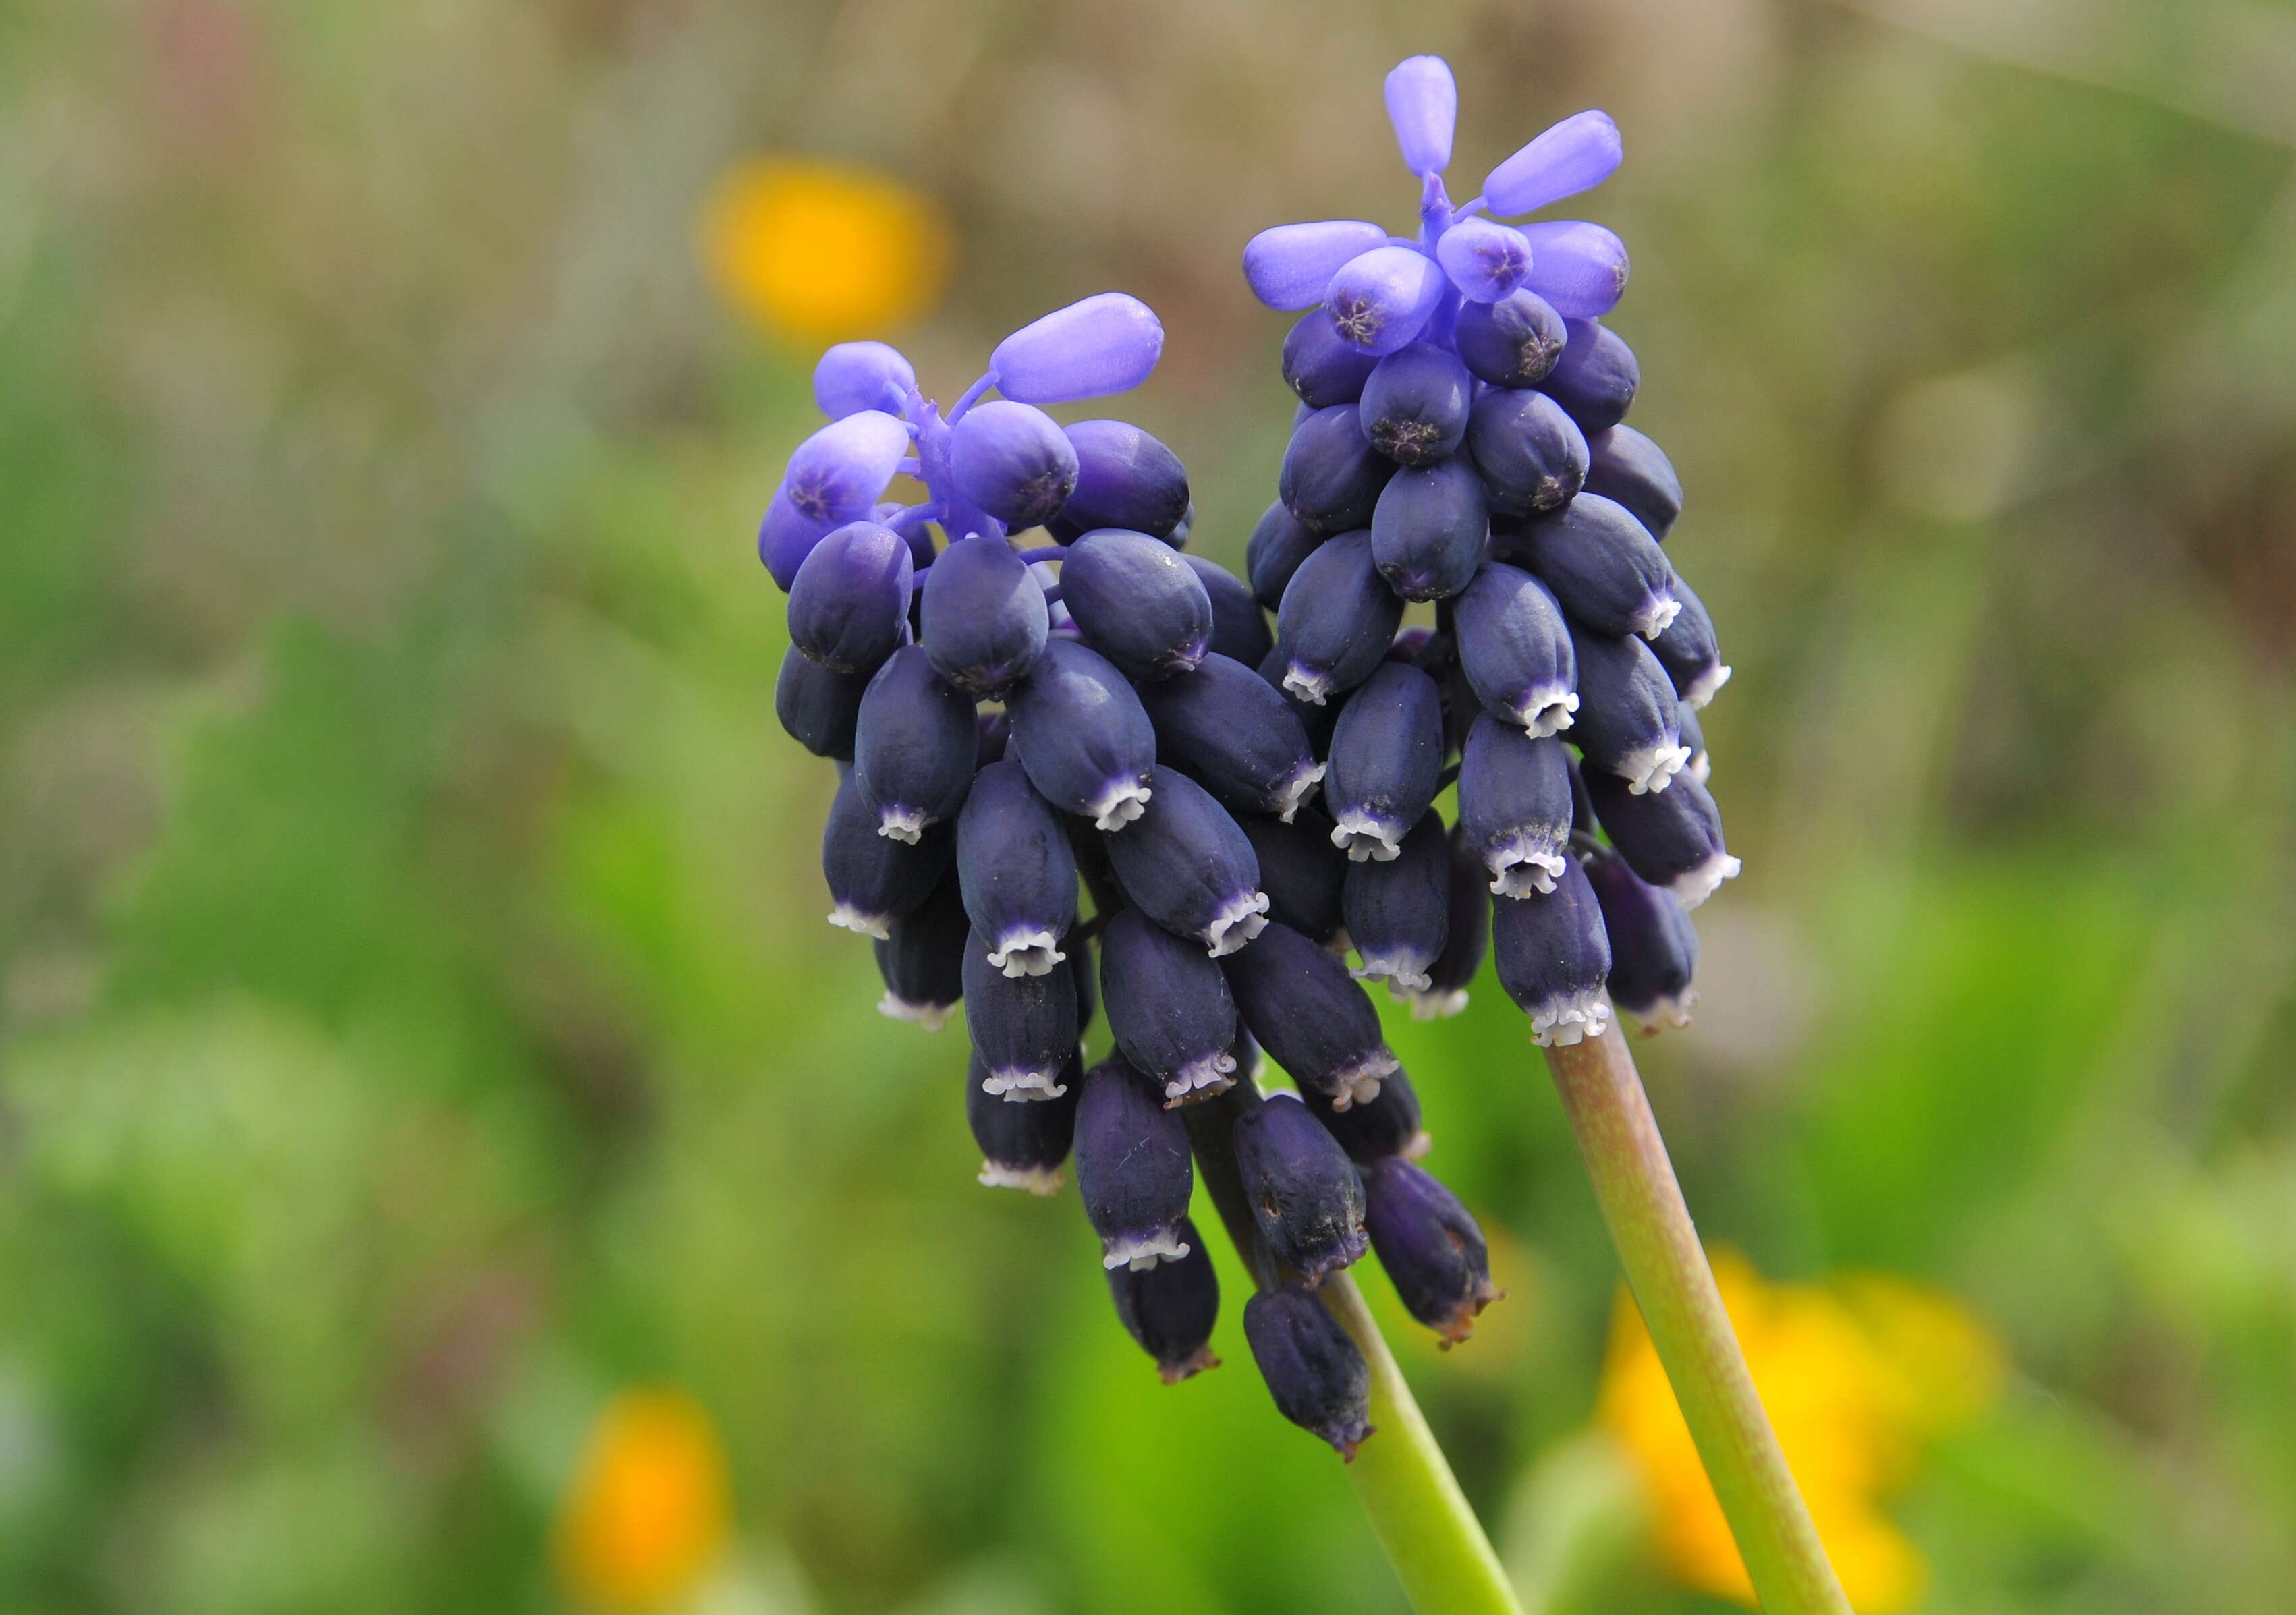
(1857,1374)
(822,251)
(646,1514)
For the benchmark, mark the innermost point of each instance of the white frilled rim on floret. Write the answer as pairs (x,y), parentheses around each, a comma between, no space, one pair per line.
(1021,1083)
(1141,1252)
(1658,614)
(1430,1004)
(1706,685)
(1122,802)
(1403,970)
(1698,885)
(1295,790)
(1649,768)
(1527,862)
(1041,1181)
(933,1017)
(879,926)
(1562,1021)
(903,824)
(1239,920)
(1674,1011)
(1547,710)
(1357,1082)
(1363,835)
(1306,683)
(1027,953)
(1199,1078)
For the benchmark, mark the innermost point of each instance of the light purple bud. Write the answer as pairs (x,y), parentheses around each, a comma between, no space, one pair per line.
(837,475)
(855,376)
(1422,104)
(1013,462)
(1485,261)
(1575,155)
(1104,344)
(1381,300)
(1290,266)
(1578,267)
(786,537)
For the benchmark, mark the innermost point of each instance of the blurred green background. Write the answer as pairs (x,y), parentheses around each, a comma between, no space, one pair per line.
(416,1021)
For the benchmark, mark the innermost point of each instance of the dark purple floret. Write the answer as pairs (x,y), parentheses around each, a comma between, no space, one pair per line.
(1299,1003)
(1303,1190)
(1171,1308)
(1552,956)
(848,609)
(922,959)
(1331,476)
(1653,944)
(1239,630)
(1124,478)
(1318,1379)
(1137,603)
(873,880)
(818,708)
(1337,620)
(1017,874)
(1322,367)
(1189,867)
(1381,299)
(1624,466)
(1606,571)
(1024,1027)
(1080,733)
(1429,1246)
(985,618)
(1167,1008)
(1596,378)
(1132,1167)
(1277,546)
(1387,760)
(1627,724)
(1414,408)
(1379,1128)
(1514,805)
(1013,461)
(1513,342)
(1023,1146)
(1515,650)
(1429,528)
(1671,838)
(786,537)
(1687,649)
(1236,735)
(1466,936)
(1086,972)
(1580,267)
(914,745)
(1398,912)
(1300,870)
(1531,454)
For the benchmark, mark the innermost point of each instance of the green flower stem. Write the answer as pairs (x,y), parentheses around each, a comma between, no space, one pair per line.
(1431,1535)
(1420,1517)
(1666,1267)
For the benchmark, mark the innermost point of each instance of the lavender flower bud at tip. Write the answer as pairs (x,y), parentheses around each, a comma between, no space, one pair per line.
(1486,261)
(837,475)
(1574,155)
(1422,104)
(1381,300)
(1103,344)
(854,376)
(1290,265)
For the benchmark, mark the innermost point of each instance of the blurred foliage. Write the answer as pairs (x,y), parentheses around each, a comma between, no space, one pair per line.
(415,1021)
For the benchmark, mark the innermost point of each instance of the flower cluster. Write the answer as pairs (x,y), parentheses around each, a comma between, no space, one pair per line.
(1460,440)
(1007,735)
